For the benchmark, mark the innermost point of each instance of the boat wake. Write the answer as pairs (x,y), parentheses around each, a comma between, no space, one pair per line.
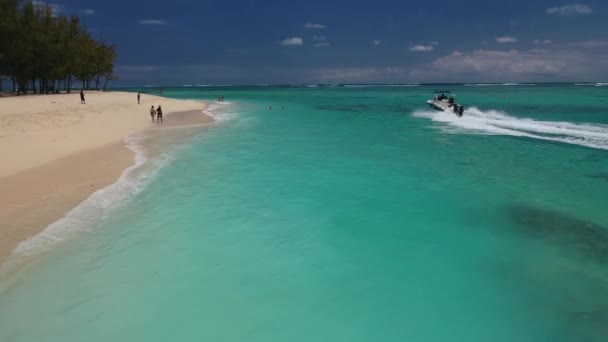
(475,121)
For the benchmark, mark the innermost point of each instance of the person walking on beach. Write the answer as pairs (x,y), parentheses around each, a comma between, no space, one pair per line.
(152,113)
(82,101)
(159,115)
(138,98)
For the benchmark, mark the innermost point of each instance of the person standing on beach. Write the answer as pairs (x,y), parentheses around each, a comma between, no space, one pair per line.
(82,101)
(159,115)
(138,98)
(152,113)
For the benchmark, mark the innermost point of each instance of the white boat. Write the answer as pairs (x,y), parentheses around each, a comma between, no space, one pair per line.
(443,103)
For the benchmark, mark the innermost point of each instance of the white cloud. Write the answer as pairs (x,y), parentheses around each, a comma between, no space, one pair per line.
(376,42)
(319,38)
(362,74)
(434,42)
(503,40)
(87,12)
(498,65)
(310,25)
(153,22)
(572,9)
(292,41)
(422,48)
(591,44)
(323,44)
(539,41)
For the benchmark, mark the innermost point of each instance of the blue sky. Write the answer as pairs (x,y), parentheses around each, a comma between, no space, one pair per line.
(269,42)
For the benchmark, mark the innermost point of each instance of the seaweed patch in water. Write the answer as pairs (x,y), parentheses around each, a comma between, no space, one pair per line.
(582,237)
(599,175)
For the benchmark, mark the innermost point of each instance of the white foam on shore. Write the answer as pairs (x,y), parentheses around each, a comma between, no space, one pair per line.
(96,206)
(494,122)
(99,204)
(219,111)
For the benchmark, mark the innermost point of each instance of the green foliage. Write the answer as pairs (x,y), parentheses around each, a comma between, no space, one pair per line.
(39,48)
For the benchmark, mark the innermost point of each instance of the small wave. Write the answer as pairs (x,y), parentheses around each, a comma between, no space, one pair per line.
(380,85)
(103,201)
(601,84)
(213,85)
(584,84)
(96,206)
(482,84)
(220,111)
(498,123)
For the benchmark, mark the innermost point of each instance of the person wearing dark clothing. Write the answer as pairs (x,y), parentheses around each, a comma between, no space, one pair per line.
(82,101)
(159,115)
(138,98)
(152,113)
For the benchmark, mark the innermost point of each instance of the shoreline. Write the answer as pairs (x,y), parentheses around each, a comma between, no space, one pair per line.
(36,192)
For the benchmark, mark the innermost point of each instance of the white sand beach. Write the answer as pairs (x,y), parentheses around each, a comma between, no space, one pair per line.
(56,152)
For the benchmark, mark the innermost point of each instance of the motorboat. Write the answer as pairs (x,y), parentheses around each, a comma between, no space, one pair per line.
(444,103)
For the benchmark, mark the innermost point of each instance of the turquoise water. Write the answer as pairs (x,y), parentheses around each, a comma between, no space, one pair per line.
(353,214)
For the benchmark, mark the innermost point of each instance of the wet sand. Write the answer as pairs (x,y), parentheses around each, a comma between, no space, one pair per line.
(55,158)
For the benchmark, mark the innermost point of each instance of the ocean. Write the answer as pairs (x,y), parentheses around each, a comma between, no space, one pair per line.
(340,213)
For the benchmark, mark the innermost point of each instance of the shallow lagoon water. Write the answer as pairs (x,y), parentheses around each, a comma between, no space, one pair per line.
(353,214)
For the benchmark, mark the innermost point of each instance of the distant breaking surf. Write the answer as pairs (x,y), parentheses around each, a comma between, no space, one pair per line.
(493,122)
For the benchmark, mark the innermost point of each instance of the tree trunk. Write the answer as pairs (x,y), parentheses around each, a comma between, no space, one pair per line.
(105,84)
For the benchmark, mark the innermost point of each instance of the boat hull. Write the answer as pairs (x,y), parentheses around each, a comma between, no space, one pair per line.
(441,106)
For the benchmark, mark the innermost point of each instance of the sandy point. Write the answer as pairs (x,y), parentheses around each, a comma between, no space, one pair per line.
(56,152)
